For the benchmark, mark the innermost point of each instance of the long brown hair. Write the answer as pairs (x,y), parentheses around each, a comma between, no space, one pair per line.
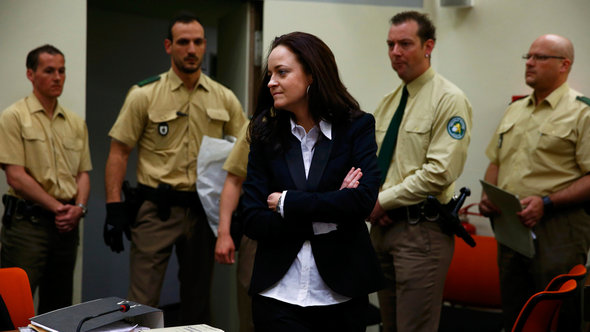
(328,98)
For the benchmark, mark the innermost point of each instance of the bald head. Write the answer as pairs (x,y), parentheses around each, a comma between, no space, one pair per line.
(560,45)
(549,63)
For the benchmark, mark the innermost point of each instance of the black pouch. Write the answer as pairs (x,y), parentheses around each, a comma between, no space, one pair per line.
(163,201)
(9,209)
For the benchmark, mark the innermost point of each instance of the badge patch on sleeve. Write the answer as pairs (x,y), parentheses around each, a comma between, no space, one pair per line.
(456,127)
(163,128)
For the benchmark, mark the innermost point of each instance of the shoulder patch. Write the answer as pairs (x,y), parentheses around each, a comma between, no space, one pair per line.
(456,127)
(517,98)
(148,80)
(583,99)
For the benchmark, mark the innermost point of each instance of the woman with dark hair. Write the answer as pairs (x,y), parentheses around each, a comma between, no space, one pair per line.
(305,197)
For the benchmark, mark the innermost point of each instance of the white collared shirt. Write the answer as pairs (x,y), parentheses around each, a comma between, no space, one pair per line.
(302,284)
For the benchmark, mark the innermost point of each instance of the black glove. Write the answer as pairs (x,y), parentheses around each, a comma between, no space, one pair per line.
(116,223)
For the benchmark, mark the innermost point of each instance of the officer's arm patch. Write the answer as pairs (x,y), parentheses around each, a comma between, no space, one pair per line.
(148,80)
(456,127)
(583,99)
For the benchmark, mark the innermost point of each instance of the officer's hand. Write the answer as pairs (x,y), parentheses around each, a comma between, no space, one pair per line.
(225,249)
(486,207)
(67,217)
(379,216)
(116,222)
(532,212)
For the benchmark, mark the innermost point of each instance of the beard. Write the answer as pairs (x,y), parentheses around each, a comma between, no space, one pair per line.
(187,70)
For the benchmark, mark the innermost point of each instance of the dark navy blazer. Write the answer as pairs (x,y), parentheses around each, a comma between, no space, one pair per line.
(345,258)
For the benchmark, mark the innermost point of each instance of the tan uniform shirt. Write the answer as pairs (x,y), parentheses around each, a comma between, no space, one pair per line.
(541,149)
(53,151)
(237,161)
(432,141)
(167,121)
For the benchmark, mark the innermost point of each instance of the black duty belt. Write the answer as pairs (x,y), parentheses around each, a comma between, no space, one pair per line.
(29,209)
(413,214)
(165,194)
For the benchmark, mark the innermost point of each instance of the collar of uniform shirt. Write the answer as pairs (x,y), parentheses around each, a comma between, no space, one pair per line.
(554,97)
(35,106)
(176,82)
(418,83)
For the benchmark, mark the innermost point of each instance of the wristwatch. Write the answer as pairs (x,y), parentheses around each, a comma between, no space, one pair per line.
(84,209)
(547,204)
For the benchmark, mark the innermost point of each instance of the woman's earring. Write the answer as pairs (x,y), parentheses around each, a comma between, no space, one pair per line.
(308,89)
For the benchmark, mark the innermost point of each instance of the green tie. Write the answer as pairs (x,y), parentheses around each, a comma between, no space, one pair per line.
(388,146)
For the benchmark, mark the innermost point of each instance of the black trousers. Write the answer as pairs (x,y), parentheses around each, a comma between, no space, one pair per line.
(48,256)
(271,315)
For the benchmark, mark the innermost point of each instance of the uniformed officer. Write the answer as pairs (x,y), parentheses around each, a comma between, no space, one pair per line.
(541,152)
(166,117)
(431,119)
(44,152)
(236,166)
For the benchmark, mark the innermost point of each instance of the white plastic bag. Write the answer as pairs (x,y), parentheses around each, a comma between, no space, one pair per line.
(211,176)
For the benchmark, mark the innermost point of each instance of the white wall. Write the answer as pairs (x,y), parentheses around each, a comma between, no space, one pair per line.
(26,24)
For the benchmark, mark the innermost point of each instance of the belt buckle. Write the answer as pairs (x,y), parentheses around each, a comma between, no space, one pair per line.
(433,218)
(35,219)
(412,221)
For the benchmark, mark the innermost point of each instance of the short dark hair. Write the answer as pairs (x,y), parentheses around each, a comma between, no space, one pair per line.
(426,30)
(329,99)
(33,56)
(182,17)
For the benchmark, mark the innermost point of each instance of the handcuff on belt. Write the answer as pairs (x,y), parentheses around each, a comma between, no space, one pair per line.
(414,213)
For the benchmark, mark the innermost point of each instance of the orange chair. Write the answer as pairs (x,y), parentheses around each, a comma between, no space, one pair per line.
(16,293)
(473,277)
(577,273)
(541,311)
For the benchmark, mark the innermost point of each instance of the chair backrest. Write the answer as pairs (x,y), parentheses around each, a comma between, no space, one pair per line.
(577,273)
(542,309)
(16,293)
(473,277)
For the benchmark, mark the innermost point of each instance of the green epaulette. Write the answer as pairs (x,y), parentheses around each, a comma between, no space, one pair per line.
(149,80)
(584,99)
(519,98)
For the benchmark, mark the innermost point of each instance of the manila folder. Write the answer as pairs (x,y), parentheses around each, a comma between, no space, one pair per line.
(507,227)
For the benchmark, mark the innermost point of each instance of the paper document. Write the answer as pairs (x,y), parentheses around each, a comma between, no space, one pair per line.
(507,227)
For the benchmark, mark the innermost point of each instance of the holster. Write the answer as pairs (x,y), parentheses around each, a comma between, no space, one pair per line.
(165,197)
(449,219)
(9,209)
(163,200)
(448,227)
(27,209)
(133,200)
